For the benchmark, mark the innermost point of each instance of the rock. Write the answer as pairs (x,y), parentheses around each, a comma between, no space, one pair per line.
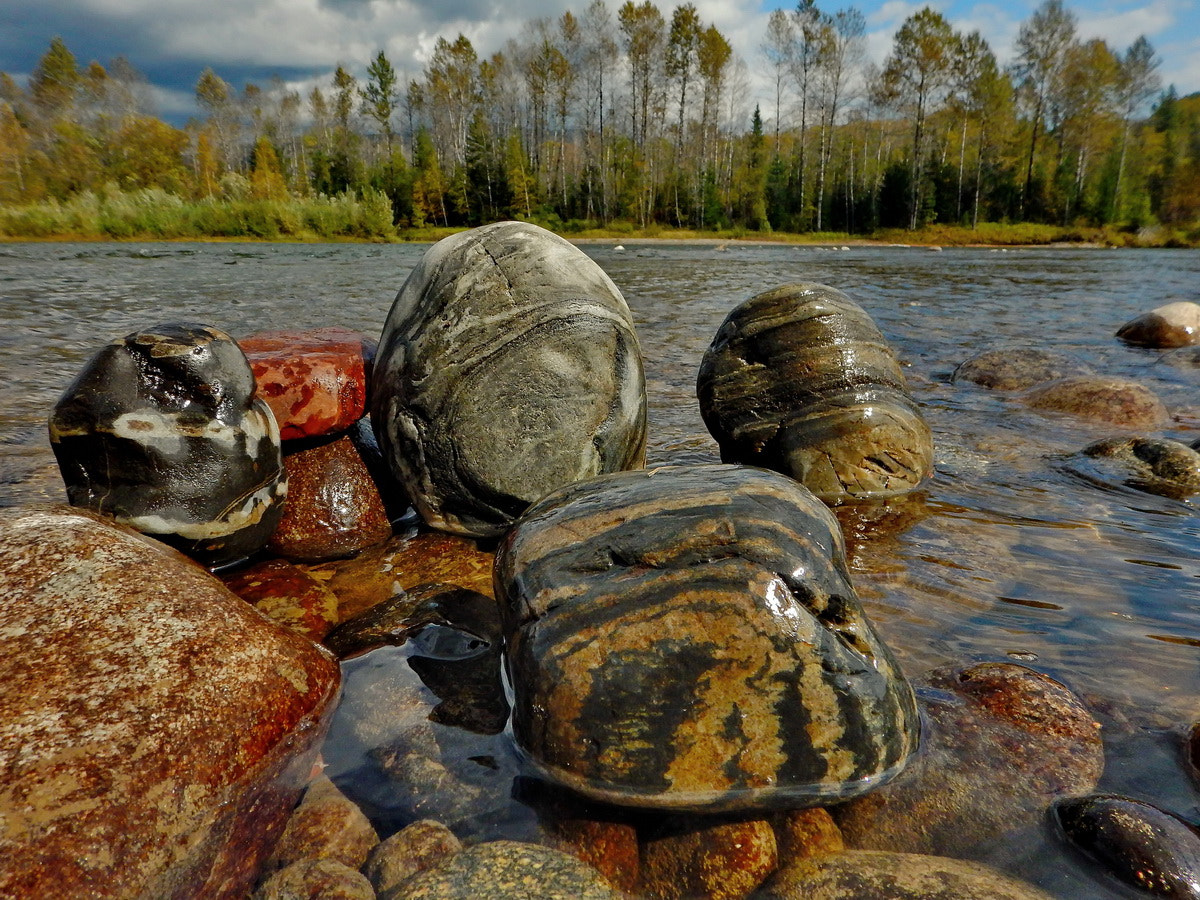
(1182,358)
(1192,750)
(402,563)
(873,875)
(287,596)
(334,508)
(410,850)
(800,380)
(506,870)
(316,879)
(1001,743)
(314,381)
(1018,368)
(508,366)
(801,833)
(722,861)
(326,825)
(155,731)
(688,638)
(1155,465)
(1113,401)
(162,431)
(1172,325)
(1137,843)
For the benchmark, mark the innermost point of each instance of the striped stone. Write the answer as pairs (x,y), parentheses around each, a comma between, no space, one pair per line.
(800,380)
(688,638)
(163,432)
(508,366)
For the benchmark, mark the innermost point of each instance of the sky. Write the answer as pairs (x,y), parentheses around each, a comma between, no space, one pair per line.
(302,41)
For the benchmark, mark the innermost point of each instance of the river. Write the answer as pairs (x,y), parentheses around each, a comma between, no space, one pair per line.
(1002,555)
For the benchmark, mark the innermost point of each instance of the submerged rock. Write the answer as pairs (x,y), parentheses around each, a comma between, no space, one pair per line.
(414,848)
(316,879)
(155,731)
(688,638)
(1113,401)
(716,860)
(326,825)
(1155,465)
(1137,843)
(287,596)
(1018,368)
(800,380)
(508,366)
(1172,325)
(162,431)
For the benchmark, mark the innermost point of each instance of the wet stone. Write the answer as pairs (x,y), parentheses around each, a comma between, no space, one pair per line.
(1112,401)
(1172,325)
(1135,842)
(614,592)
(508,366)
(719,861)
(314,381)
(1001,743)
(162,432)
(507,870)
(316,879)
(1187,358)
(287,596)
(155,731)
(412,849)
(800,833)
(800,380)
(1155,465)
(334,508)
(1018,368)
(326,825)
(859,875)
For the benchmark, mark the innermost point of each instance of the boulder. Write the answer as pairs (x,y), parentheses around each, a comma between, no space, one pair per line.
(688,638)
(800,380)
(1112,401)
(1172,325)
(162,431)
(508,366)
(314,381)
(155,731)
(1018,368)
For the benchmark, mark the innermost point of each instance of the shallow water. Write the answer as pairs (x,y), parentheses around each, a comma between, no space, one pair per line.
(1003,556)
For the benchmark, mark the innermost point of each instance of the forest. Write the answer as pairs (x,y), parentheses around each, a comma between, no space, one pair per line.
(626,120)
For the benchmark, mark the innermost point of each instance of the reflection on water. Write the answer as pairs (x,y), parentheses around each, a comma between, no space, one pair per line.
(1002,557)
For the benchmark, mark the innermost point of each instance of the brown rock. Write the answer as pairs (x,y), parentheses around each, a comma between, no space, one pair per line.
(1002,743)
(326,825)
(801,833)
(724,861)
(1018,368)
(604,837)
(316,879)
(334,508)
(155,731)
(1113,401)
(287,596)
(410,850)
(1172,325)
(314,381)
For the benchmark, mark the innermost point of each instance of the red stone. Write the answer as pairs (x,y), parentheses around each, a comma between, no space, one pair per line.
(155,731)
(314,381)
(287,596)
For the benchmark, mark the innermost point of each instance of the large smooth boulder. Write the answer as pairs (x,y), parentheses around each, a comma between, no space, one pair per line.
(155,731)
(508,366)
(688,638)
(162,431)
(1172,325)
(800,380)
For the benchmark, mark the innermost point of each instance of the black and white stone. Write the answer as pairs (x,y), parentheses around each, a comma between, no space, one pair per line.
(163,432)
(508,366)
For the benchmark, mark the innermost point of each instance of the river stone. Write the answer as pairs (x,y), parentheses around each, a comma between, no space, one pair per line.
(876,875)
(314,381)
(508,366)
(155,731)
(334,508)
(1172,325)
(717,860)
(162,431)
(1017,368)
(1137,843)
(800,380)
(1156,465)
(287,595)
(688,638)
(316,879)
(507,870)
(414,848)
(1187,358)
(326,825)
(1113,401)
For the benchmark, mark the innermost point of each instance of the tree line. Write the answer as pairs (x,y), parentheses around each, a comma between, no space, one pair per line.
(640,117)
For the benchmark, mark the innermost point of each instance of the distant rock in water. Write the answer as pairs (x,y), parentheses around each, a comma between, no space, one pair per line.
(508,366)
(688,638)
(1138,843)
(1018,368)
(1182,357)
(1172,325)
(1100,398)
(1155,465)
(163,432)
(800,380)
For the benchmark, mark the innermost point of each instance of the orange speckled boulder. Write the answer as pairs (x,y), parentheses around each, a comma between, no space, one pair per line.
(314,381)
(155,731)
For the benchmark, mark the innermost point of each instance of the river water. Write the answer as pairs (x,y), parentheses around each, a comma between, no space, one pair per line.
(1002,555)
